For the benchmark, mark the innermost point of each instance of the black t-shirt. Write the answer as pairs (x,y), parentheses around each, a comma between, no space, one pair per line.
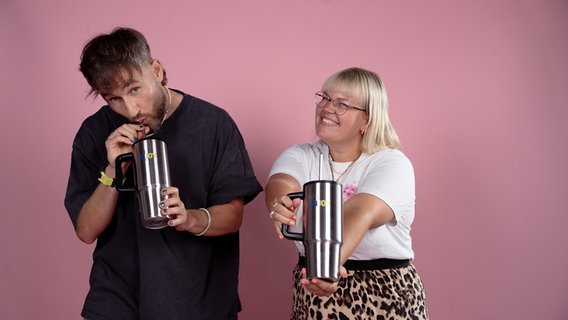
(139,273)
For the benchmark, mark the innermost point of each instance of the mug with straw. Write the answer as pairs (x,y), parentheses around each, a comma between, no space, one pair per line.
(322,234)
(152,174)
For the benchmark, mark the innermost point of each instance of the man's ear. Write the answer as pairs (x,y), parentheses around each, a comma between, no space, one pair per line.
(158,70)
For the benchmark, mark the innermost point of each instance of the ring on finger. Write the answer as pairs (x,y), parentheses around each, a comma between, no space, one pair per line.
(272,213)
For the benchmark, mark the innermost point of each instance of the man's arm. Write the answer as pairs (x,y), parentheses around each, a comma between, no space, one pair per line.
(97,212)
(225,218)
(216,220)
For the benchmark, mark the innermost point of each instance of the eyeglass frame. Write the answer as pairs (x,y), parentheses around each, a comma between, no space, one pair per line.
(324,97)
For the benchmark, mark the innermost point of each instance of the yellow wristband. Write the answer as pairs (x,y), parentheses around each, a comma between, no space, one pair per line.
(106,180)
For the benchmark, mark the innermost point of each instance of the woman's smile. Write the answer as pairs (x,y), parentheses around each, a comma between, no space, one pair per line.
(328,122)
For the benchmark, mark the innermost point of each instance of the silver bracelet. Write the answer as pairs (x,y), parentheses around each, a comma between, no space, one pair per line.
(208,222)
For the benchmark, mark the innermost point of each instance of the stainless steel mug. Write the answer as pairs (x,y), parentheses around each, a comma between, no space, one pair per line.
(151,175)
(322,228)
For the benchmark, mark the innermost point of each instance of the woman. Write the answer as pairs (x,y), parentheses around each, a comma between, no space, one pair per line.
(377,279)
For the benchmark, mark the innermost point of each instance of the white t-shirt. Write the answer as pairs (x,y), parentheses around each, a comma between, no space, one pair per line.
(387,174)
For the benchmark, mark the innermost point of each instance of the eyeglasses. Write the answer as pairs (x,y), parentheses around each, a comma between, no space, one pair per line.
(341,105)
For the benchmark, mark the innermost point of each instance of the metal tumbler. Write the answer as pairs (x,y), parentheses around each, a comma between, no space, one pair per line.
(152,174)
(322,228)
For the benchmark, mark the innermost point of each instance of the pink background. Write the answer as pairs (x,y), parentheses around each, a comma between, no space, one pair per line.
(478,93)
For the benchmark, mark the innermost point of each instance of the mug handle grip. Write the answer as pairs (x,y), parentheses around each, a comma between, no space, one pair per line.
(119,176)
(288,234)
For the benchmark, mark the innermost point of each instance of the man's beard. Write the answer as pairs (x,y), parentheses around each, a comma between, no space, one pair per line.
(159,114)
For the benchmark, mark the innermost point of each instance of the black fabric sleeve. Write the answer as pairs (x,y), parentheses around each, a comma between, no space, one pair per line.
(88,157)
(233,174)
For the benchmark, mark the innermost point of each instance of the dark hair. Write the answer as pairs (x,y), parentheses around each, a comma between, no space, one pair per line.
(108,58)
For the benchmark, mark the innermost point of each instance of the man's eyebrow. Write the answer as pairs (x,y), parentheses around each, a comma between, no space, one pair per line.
(124,85)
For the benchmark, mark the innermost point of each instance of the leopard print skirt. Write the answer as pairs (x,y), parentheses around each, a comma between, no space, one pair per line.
(396,293)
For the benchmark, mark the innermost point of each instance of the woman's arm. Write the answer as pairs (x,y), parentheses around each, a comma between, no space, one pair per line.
(277,201)
(362,212)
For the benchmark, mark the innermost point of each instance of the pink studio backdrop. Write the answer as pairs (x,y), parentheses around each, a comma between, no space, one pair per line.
(478,96)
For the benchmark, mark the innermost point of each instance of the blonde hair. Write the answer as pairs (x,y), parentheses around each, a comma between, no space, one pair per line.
(367,89)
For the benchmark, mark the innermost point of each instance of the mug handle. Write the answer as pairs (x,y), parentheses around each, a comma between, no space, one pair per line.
(288,234)
(119,176)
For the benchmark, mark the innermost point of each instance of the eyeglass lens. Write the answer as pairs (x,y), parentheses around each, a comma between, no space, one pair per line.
(322,100)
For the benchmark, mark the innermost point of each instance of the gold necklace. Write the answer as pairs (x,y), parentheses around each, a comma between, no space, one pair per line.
(165,113)
(168,107)
(333,170)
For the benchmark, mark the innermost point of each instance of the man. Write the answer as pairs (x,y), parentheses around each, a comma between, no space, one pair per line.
(189,269)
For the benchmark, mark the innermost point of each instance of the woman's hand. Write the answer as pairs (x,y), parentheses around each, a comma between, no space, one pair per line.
(321,287)
(283,212)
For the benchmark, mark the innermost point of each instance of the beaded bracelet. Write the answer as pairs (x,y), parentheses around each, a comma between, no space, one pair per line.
(208,222)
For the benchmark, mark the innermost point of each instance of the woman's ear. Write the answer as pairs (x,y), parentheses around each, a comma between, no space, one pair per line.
(365,126)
